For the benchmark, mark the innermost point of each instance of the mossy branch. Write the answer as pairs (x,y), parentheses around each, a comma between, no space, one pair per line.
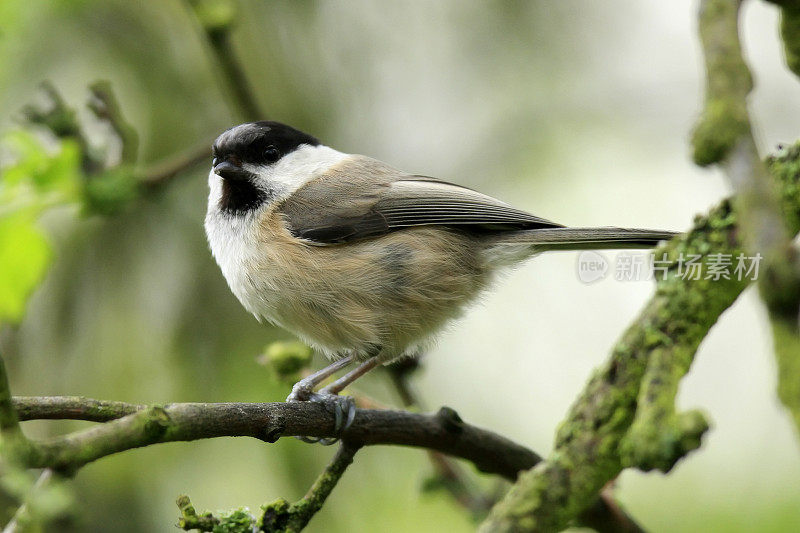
(724,118)
(279,516)
(190,519)
(626,415)
(760,218)
(790,32)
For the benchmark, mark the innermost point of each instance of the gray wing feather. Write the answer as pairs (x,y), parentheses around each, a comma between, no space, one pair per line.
(363,197)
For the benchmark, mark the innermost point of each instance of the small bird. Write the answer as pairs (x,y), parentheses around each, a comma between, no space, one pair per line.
(362,261)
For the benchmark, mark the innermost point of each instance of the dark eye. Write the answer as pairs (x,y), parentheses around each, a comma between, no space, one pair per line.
(271,154)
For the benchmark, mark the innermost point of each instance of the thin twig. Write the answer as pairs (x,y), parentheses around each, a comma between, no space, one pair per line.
(301,512)
(280,515)
(607,516)
(62,121)
(105,107)
(71,408)
(163,172)
(14,445)
(8,415)
(450,475)
(233,72)
(217,29)
(190,520)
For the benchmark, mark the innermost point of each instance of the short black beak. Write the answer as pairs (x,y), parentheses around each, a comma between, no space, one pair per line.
(229,171)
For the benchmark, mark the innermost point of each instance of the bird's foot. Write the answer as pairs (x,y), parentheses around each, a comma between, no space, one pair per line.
(302,391)
(344,411)
(344,408)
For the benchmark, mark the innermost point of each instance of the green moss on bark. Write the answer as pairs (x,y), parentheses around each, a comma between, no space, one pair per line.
(728,82)
(626,414)
(790,33)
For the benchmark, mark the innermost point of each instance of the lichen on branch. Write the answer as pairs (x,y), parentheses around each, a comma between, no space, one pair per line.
(763,225)
(790,32)
(625,415)
(728,82)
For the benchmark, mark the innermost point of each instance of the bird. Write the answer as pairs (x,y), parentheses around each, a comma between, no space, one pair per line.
(362,261)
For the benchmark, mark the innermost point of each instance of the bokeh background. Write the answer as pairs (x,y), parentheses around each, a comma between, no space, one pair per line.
(575,110)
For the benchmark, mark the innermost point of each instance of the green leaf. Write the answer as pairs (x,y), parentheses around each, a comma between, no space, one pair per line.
(40,177)
(35,167)
(24,257)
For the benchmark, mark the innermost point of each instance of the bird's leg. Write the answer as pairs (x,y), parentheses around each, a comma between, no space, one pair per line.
(337,386)
(304,389)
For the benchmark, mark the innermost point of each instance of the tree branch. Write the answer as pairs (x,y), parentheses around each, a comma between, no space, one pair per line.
(71,408)
(604,515)
(278,517)
(191,520)
(62,121)
(625,415)
(163,172)
(790,32)
(14,446)
(729,82)
(443,431)
(448,474)
(105,107)
(8,415)
(134,425)
(217,19)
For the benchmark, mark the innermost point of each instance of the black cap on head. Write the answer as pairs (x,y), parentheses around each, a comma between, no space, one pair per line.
(261,142)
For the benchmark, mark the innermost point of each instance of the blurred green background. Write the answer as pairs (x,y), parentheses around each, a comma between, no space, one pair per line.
(575,110)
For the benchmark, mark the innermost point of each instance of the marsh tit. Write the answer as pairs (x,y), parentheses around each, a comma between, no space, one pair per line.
(362,261)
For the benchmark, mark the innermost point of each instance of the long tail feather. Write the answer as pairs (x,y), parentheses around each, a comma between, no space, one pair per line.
(585,238)
(546,239)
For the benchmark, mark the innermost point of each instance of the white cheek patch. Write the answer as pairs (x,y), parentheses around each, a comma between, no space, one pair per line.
(295,169)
